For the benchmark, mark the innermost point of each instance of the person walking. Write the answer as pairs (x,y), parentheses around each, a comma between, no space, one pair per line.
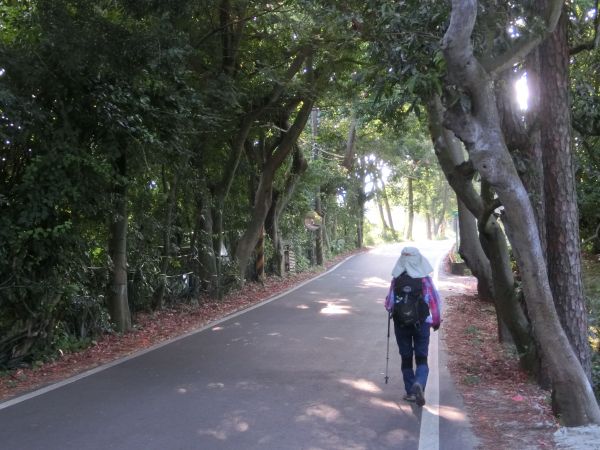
(415,306)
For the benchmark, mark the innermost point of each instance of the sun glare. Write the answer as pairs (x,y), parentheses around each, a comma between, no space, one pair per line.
(522,92)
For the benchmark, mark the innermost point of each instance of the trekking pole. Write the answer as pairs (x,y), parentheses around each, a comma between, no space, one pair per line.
(387,353)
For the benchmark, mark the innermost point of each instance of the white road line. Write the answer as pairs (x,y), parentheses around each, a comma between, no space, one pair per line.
(429,433)
(103,367)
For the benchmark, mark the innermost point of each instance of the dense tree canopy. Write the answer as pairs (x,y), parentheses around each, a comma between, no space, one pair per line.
(158,151)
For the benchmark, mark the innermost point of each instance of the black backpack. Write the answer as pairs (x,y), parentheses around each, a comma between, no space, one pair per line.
(410,308)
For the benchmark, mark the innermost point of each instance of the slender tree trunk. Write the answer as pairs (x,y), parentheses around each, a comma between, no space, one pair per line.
(206,261)
(381,213)
(318,209)
(171,189)
(118,304)
(439,229)
(429,225)
(386,203)
(411,210)
(259,264)
(277,264)
(562,217)
(362,200)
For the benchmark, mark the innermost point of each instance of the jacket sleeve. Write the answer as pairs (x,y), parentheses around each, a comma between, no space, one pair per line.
(432,297)
(389,298)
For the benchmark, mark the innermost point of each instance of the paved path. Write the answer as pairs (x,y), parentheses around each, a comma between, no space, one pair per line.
(303,371)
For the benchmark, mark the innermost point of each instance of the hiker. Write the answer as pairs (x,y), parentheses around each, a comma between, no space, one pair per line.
(415,306)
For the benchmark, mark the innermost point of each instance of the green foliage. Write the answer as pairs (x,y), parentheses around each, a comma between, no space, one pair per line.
(591,282)
(145,98)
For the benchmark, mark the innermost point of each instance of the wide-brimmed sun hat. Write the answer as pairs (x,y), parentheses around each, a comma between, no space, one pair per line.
(411,261)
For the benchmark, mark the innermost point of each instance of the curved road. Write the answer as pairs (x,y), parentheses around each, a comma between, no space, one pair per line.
(304,371)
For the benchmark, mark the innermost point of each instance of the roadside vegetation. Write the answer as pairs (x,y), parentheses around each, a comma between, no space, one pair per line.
(591,279)
(155,154)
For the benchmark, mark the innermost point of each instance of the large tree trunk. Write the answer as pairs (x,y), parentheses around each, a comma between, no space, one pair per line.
(524,143)
(450,156)
(264,191)
(470,250)
(254,111)
(562,218)
(117,301)
(350,143)
(460,174)
(280,201)
(479,129)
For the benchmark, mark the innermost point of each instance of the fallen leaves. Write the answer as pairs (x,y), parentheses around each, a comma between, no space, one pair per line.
(503,405)
(149,329)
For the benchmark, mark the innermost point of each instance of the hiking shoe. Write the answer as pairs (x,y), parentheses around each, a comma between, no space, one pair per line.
(418,393)
(410,398)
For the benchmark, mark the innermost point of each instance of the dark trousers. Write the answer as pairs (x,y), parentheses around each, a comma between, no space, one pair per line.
(413,343)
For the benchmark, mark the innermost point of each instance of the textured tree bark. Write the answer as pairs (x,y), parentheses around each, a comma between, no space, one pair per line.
(471,251)
(206,269)
(478,126)
(350,143)
(118,304)
(562,217)
(533,177)
(522,133)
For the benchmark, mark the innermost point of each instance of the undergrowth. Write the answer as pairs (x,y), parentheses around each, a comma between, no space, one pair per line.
(591,281)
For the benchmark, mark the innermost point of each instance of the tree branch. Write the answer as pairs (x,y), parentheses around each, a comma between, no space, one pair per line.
(592,44)
(591,238)
(496,203)
(516,53)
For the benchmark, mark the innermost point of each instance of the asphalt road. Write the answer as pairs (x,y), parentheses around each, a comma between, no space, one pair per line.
(302,371)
